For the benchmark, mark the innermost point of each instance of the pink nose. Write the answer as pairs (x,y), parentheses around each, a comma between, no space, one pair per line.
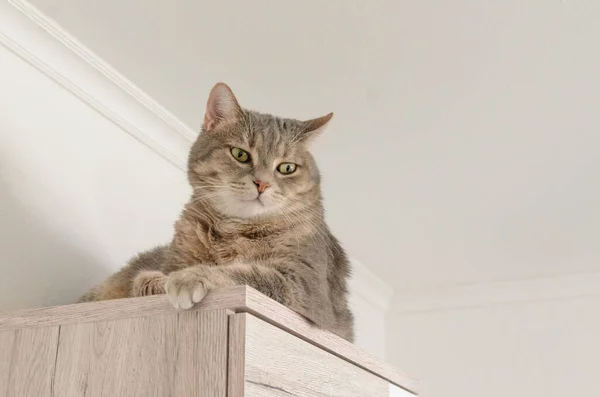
(261,186)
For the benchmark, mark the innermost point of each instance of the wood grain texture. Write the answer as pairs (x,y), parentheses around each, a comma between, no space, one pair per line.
(237,353)
(279,364)
(179,354)
(290,321)
(27,359)
(222,298)
(202,345)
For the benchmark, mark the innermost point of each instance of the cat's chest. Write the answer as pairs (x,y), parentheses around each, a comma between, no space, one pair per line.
(198,242)
(229,248)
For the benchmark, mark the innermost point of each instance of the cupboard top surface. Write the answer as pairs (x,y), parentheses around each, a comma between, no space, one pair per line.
(240,299)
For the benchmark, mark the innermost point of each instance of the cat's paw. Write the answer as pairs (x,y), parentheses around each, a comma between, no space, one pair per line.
(148,283)
(185,288)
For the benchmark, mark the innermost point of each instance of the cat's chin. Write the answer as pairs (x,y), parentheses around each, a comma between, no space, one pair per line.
(253,208)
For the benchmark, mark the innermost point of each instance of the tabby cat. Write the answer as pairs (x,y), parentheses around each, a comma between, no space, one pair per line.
(255,217)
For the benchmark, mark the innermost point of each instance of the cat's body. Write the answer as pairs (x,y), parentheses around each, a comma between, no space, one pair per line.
(249,221)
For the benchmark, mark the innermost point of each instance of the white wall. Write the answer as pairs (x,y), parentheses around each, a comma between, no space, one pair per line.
(541,346)
(91,172)
(77,195)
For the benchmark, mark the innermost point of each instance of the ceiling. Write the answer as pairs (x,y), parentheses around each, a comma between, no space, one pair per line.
(466,142)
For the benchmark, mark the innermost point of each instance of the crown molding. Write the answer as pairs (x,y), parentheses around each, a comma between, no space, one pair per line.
(370,288)
(44,45)
(486,294)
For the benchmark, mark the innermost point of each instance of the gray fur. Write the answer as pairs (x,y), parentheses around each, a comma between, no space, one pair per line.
(277,243)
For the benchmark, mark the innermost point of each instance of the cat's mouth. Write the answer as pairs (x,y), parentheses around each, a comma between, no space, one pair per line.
(256,199)
(252,204)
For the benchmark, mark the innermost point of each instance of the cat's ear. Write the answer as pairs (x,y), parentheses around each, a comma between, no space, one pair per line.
(221,106)
(313,128)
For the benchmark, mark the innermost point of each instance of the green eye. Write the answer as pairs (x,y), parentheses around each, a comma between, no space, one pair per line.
(286,168)
(240,155)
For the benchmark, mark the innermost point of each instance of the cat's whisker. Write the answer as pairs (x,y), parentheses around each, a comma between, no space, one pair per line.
(199,187)
(318,227)
(290,225)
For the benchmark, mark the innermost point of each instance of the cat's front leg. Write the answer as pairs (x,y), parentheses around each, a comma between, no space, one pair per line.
(148,282)
(188,286)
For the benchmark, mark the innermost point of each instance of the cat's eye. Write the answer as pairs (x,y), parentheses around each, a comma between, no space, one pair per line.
(240,155)
(286,168)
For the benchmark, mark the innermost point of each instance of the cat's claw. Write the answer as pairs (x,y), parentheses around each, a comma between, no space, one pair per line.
(184,292)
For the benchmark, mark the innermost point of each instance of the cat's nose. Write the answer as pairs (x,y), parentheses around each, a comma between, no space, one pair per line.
(261,186)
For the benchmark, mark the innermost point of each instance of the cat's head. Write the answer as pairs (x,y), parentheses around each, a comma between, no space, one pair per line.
(247,164)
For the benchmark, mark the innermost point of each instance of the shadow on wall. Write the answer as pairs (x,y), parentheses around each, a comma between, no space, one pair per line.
(39,267)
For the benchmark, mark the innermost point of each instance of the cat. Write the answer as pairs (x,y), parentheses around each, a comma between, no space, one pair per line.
(255,217)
